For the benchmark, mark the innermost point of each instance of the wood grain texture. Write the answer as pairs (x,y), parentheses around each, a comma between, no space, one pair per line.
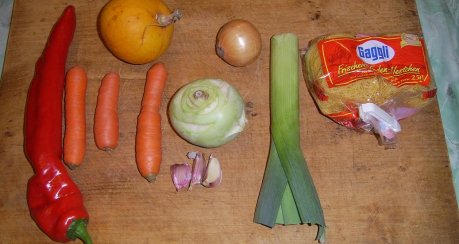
(369,195)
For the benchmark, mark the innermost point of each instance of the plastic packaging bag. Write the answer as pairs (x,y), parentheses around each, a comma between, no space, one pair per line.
(369,83)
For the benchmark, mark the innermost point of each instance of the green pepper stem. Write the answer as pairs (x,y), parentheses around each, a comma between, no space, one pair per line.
(78,230)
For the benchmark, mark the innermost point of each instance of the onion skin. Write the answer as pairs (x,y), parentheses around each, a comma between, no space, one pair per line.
(207,113)
(238,43)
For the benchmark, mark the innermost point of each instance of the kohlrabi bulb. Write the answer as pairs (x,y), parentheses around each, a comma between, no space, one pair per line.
(207,112)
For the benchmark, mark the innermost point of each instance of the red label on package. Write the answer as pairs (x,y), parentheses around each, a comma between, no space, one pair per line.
(400,59)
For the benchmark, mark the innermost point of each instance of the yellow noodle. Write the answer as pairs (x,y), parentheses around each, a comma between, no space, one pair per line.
(375,89)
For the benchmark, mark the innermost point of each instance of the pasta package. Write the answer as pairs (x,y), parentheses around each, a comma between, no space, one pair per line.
(369,82)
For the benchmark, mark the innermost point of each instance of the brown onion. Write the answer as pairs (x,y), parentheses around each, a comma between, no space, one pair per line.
(238,43)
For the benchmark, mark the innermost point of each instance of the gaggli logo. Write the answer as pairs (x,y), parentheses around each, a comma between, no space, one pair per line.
(374,52)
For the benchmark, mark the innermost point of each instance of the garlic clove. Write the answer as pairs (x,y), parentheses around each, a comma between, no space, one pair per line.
(198,168)
(213,175)
(181,175)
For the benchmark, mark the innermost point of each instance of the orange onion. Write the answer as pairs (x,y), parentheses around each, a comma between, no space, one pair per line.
(238,43)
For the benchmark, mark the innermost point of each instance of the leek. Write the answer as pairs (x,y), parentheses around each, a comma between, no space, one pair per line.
(287,194)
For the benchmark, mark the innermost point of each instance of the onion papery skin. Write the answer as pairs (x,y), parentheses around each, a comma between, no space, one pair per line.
(238,43)
(207,112)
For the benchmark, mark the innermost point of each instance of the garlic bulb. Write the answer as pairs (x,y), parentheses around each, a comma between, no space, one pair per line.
(185,175)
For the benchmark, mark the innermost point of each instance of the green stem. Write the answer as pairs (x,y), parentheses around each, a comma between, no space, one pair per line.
(280,216)
(78,229)
(289,208)
(268,209)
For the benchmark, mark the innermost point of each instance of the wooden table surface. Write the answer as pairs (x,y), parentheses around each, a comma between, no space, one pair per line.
(369,195)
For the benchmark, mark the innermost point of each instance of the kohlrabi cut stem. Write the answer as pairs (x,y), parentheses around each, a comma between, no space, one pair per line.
(200,94)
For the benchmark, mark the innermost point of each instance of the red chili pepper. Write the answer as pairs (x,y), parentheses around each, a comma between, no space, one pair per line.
(54,200)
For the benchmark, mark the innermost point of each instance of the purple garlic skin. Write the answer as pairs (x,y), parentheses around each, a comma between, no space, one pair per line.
(198,168)
(185,175)
(181,175)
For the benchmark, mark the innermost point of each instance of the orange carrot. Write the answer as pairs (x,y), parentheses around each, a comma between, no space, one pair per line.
(106,129)
(75,117)
(148,137)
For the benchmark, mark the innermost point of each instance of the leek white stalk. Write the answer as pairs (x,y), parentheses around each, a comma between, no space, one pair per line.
(287,194)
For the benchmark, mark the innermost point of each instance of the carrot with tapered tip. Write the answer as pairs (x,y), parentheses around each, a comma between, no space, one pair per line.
(148,152)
